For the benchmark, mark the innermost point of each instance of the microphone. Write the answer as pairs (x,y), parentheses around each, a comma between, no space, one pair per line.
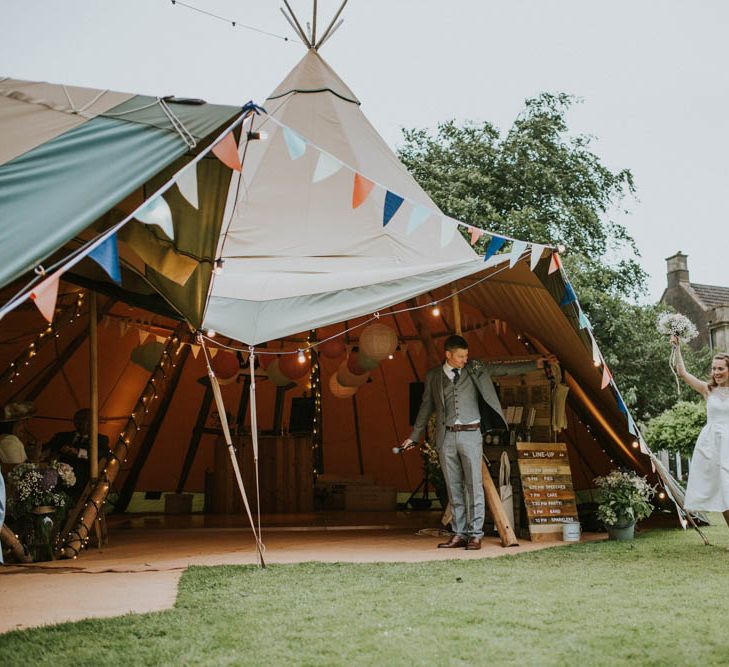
(401,449)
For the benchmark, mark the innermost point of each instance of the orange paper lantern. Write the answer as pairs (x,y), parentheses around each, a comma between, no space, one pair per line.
(378,342)
(225,366)
(346,378)
(338,390)
(291,367)
(332,349)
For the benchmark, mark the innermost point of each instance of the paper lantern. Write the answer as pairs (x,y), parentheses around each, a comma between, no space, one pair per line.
(225,366)
(275,374)
(332,349)
(265,360)
(338,390)
(346,378)
(148,355)
(359,363)
(378,342)
(291,367)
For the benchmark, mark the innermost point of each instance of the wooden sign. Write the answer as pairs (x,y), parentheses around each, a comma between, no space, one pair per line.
(546,481)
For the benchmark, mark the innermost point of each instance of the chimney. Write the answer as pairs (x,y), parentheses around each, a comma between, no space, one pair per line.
(677,269)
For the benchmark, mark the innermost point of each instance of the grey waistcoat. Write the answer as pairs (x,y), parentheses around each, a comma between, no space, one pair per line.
(461,400)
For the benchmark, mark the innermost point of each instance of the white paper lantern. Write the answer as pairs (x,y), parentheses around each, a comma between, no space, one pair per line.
(346,378)
(276,376)
(338,390)
(378,342)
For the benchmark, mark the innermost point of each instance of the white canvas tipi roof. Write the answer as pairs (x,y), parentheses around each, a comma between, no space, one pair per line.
(296,253)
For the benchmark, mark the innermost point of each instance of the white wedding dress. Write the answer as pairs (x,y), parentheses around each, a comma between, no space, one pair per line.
(708,483)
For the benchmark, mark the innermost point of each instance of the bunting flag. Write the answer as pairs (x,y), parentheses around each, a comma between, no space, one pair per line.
(187,184)
(494,246)
(554,264)
(160,339)
(448,228)
(326,166)
(226,150)
(537,251)
(606,377)
(517,248)
(632,429)
(106,255)
(45,295)
(596,356)
(213,352)
(361,190)
(621,403)
(418,216)
(392,203)
(569,295)
(123,327)
(476,234)
(295,144)
(143,335)
(195,349)
(584,322)
(157,211)
(645,449)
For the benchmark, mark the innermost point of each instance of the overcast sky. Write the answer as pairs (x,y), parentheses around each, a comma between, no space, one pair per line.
(653,77)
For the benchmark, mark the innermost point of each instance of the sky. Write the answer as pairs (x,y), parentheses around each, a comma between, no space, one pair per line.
(652,77)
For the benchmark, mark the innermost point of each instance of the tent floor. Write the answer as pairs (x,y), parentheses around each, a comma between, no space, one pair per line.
(139,569)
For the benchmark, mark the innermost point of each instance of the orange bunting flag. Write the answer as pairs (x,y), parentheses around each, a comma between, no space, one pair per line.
(362,189)
(45,296)
(555,263)
(476,234)
(227,152)
(606,377)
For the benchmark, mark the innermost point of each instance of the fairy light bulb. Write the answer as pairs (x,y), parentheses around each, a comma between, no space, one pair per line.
(635,444)
(661,495)
(436,310)
(211,333)
(301,357)
(218,268)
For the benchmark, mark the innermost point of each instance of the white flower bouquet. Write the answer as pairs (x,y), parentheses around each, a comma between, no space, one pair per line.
(675,324)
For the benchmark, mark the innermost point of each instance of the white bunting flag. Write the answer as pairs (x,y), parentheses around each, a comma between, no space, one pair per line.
(418,216)
(187,184)
(157,212)
(326,166)
(517,248)
(537,251)
(447,231)
(596,356)
(160,339)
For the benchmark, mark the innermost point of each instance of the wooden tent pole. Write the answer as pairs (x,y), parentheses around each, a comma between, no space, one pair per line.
(94,390)
(457,311)
(197,432)
(357,435)
(424,334)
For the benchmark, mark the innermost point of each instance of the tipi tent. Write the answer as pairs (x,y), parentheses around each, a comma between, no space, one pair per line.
(322,231)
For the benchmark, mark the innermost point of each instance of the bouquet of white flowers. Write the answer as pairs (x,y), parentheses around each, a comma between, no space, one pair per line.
(675,324)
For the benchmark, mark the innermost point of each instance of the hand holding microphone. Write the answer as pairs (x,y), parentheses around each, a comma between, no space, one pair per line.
(407,444)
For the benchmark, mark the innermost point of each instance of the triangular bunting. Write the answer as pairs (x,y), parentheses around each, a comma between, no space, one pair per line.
(361,190)
(157,212)
(555,263)
(606,377)
(537,251)
(123,327)
(295,144)
(644,448)
(106,255)
(621,403)
(447,231)
(160,339)
(187,184)
(417,217)
(584,322)
(569,295)
(226,151)
(517,248)
(476,234)
(45,295)
(213,352)
(596,356)
(494,246)
(143,335)
(392,203)
(326,166)
(195,349)
(632,429)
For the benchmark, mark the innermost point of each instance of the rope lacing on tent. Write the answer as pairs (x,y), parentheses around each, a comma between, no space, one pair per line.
(83,110)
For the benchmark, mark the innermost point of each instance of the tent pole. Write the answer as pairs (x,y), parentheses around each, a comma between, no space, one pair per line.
(313,25)
(457,311)
(197,432)
(298,25)
(357,436)
(94,390)
(424,333)
(329,27)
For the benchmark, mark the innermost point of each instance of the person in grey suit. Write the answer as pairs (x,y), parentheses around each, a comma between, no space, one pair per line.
(464,400)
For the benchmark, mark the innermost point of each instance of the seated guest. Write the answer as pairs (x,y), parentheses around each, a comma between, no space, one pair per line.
(14,436)
(72,447)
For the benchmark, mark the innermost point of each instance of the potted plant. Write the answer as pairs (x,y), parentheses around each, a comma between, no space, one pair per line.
(624,500)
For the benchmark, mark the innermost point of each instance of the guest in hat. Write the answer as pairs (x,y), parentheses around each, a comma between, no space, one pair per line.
(14,435)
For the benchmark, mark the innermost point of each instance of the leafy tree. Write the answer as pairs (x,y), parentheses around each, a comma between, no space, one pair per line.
(537,181)
(677,429)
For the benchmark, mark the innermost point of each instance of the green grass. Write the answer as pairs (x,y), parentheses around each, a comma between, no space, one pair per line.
(660,600)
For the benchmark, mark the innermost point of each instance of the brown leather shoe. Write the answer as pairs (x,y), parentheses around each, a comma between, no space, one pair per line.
(473,544)
(456,542)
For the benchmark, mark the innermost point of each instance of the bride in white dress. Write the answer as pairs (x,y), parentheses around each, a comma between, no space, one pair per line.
(708,483)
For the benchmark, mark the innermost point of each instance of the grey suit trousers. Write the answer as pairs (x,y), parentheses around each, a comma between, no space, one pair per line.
(460,459)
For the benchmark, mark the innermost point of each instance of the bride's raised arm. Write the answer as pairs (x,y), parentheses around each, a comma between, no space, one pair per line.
(691,380)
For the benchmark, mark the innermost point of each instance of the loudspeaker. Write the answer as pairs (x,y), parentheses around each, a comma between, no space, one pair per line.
(416,398)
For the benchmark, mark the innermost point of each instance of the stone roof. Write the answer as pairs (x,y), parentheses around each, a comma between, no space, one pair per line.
(711,295)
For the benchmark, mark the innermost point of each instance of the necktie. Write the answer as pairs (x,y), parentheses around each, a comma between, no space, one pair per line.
(456,373)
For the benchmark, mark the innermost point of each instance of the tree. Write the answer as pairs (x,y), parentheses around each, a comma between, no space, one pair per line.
(677,429)
(538,182)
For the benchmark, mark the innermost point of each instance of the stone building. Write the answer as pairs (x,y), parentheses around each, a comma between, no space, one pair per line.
(707,306)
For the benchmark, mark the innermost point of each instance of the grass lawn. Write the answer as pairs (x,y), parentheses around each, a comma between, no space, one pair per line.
(660,600)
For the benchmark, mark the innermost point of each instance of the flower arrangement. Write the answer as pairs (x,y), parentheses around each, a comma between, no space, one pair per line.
(476,366)
(625,498)
(32,486)
(675,324)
